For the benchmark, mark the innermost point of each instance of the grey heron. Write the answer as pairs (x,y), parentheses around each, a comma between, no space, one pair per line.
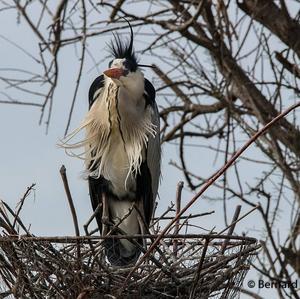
(122,151)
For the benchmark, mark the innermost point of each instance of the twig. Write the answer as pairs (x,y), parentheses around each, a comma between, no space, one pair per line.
(210,182)
(79,76)
(292,68)
(197,274)
(231,229)
(71,205)
(73,239)
(190,216)
(21,203)
(178,207)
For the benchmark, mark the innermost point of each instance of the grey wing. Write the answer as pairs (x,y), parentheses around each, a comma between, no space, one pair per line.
(148,179)
(154,153)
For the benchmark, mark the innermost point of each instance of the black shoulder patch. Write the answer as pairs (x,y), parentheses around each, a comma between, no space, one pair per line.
(97,84)
(149,93)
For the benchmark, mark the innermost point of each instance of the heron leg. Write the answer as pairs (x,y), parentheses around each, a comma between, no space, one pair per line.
(105,215)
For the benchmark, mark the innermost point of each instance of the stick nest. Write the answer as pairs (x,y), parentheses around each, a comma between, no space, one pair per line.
(180,266)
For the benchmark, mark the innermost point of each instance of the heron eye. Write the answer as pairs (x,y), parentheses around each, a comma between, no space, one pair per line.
(129,65)
(126,64)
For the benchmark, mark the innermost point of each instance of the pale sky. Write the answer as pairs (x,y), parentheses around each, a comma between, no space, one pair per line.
(29,156)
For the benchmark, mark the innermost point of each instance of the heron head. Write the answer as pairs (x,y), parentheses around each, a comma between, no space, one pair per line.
(124,63)
(121,67)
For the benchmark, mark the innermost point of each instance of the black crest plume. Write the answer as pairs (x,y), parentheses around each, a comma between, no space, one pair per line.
(123,49)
